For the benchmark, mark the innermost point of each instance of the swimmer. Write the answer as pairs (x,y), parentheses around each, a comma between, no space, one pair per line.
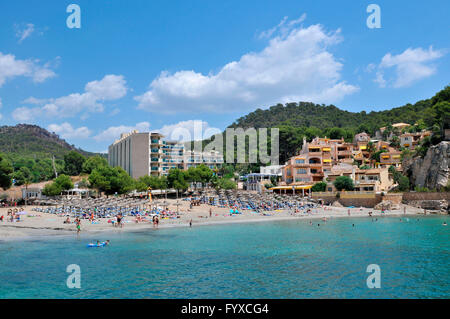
(444,224)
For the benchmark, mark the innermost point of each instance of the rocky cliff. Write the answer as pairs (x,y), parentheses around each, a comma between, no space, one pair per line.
(432,171)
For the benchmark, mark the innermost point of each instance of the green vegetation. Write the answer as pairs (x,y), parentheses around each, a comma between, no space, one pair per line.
(5,170)
(93,163)
(344,183)
(111,180)
(61,183)
(319,187)
(400,179)
(153,182)
(296,121)
(73,163)
(226,183)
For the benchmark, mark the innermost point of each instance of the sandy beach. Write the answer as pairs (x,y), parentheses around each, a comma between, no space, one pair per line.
(36,224)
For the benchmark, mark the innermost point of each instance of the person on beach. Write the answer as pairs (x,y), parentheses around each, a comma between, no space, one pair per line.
(190,223)
(119,221)
(78,226)
(349,212)
(210,212)
(1,218)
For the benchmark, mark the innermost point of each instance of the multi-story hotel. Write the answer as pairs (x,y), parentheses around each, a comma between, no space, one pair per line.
(141,154)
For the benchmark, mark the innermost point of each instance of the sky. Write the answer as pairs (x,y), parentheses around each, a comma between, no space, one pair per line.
(165,65)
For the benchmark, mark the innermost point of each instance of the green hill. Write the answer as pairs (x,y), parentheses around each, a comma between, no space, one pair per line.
(298,120)
(34,142)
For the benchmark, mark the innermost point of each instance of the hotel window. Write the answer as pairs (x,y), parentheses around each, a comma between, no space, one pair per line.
(300,161)
(301,171)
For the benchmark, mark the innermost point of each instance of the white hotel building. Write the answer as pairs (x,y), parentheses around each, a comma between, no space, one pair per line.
(141,154)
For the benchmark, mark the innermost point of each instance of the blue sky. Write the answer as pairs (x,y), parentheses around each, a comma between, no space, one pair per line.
(160,65)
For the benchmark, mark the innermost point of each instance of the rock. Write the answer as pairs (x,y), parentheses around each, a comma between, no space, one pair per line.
(438,205)
(432,171)
(387,204)
(337,204)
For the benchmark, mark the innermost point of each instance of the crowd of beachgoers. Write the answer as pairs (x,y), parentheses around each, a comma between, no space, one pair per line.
(130,213)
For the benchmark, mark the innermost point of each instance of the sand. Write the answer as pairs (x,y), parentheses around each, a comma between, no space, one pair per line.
(42,224)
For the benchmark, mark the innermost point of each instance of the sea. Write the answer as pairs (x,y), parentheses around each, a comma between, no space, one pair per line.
(384,257)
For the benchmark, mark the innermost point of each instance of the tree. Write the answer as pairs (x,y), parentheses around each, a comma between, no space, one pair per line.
(154,182)
(73,163)
(22,176)
(344,183)
(5,170)
(52,189)
(111,180)
(319,187)
(176,179)
(92,163)
(64,182)
(226,183)
(204,173)
(403,184)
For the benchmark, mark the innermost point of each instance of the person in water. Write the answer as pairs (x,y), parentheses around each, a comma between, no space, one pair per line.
(444,224)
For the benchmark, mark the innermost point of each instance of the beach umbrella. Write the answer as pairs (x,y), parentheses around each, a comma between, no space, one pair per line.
(21,213)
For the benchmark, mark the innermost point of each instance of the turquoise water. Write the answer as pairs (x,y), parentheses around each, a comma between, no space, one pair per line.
(289,259)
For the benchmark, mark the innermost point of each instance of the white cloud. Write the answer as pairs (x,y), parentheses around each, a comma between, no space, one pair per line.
(113,132)
(66,131)
(293,67)
(181,131)
(22,34)
(111,87)
(188,130)
(283,27)
(408,67)
(10,67)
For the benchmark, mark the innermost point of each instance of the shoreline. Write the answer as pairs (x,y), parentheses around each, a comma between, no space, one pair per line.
(44,230)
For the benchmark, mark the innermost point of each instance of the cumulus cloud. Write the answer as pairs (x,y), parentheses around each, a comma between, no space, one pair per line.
(67,131)
(182,131)
(10,67)
(24,33)
(408,67)
(113,132)
(296,66)
(111,87)
(188,130)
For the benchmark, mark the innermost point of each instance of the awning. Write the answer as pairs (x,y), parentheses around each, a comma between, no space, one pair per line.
(363,147)
(290,187)
(326,149)
(327,161)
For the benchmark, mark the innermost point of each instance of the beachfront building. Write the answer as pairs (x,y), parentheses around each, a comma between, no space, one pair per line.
(272,169)
(257,181)
(31,193)
(368,180)
(141,154)
(212,159)
(375,179)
